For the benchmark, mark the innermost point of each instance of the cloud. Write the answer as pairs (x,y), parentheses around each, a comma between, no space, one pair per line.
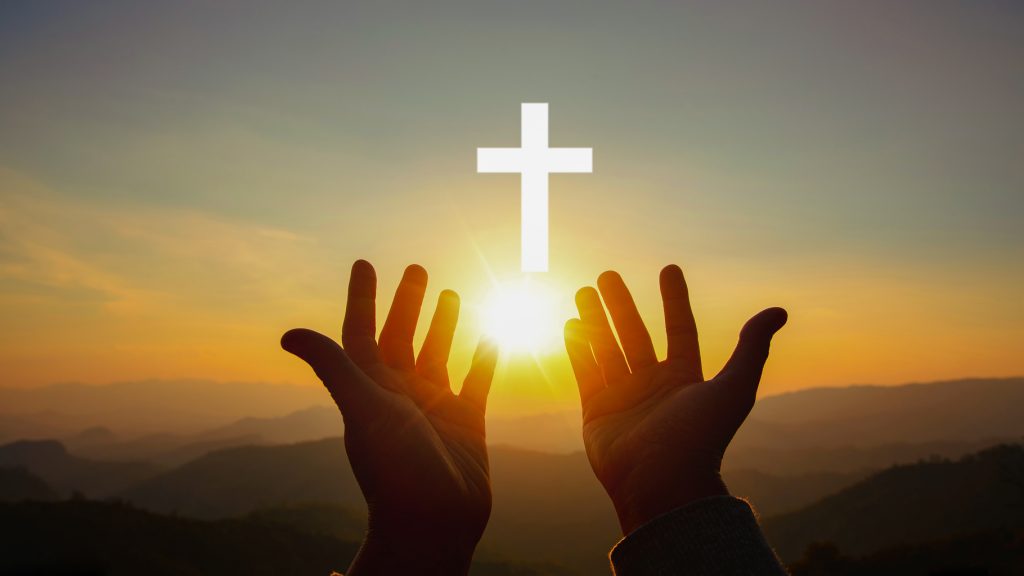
(58,249)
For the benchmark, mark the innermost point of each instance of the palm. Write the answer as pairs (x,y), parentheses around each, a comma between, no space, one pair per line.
(423,454)
(416,448)
(664,431)
(658,430)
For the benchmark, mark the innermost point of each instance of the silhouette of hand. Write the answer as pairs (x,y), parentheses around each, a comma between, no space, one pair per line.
(417,449)
(655,432)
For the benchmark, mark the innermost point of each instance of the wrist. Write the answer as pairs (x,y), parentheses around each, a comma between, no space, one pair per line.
(637,506)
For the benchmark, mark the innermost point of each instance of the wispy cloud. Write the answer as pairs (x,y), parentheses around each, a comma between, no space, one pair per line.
(126,258)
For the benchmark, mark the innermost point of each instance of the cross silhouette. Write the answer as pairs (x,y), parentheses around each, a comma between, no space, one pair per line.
(534,160)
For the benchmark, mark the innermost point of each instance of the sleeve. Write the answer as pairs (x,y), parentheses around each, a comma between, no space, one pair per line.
(717,535)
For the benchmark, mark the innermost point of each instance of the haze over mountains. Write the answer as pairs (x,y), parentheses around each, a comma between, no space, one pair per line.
(815,464)
(911,504)
(846,430)
(146,407)
(549,512)
(969,409)
(115,539)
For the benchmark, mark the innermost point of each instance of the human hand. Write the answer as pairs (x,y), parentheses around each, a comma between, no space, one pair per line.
(416,448)
(655,432)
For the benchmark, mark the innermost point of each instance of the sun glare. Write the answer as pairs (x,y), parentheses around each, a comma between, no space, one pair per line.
(522,316)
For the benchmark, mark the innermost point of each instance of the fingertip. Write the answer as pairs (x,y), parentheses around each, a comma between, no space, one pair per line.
(449,296)
(291,340)
(609,278)
(586,296)
(765,323)
(776,317)
(573,329)
(416,274)
(362,281)
(363,267)
(488,346)
(671,274)
(312,347)
(782,314)
(477,384)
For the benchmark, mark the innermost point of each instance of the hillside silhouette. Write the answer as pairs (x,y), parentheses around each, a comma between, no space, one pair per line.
(968,409)
(542,496)
(66,473)
(933,517)
(17,484)
(990,553)
(539,497)
(111,538)
(145,407)
(857,429)
(835,486)
(911,504)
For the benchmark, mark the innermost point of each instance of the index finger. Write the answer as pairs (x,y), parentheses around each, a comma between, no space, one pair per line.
(359,329)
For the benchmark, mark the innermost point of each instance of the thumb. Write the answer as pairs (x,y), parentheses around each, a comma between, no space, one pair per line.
(351,390)
(751,352)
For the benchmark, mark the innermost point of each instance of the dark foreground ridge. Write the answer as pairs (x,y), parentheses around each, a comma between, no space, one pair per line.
(114,539)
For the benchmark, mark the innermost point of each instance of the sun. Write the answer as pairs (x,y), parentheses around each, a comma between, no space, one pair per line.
(522,316)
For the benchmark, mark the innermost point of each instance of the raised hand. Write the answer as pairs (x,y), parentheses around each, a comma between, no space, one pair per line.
(416,448)
(655,431)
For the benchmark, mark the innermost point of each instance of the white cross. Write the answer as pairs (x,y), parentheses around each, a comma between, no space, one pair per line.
(533,160)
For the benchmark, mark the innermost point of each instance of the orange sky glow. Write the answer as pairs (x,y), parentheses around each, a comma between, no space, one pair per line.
(176,192)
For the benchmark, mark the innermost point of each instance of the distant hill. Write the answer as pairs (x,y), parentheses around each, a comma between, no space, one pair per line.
(773,494)
(165,450)
(911,504)
(236,481)
(66,473)
(80,537)
(539,498)
(956,410)
(17,484)
(141,407)
(312,423)
(847,460)
(858,429)
(333,520)
(908,421)
(855,429)
(555,432)
(549,508)
(171,449)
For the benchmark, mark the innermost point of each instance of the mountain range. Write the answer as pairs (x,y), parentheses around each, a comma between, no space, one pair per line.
(145,407)
(550,512)
(67,473)
(538,496)
(911,504)
(817,464)
(115,539)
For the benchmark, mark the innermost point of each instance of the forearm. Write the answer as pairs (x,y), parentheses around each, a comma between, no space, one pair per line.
(718,535)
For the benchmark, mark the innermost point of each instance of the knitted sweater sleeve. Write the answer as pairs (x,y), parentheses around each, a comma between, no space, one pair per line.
(718,535)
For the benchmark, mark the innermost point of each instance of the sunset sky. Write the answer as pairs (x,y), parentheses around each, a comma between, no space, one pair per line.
(180,184)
